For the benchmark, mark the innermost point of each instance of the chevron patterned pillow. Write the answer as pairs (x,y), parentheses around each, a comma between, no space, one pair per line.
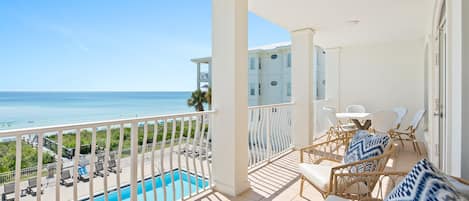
(364,146)
(424,182)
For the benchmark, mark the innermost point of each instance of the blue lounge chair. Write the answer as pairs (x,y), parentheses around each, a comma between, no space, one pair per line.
(83,174)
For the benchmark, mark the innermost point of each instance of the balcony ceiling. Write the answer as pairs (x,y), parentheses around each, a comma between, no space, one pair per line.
(336,20)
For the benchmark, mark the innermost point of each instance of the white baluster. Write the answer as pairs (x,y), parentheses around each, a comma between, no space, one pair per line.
(202,151)
(186,154)
(173,133)
(133,161)
(92,163)
(18,167)
(39,166)
(119,156)
(181,135)
(153,145)
(142,166)
(58,169)
(162,170)
(194,148)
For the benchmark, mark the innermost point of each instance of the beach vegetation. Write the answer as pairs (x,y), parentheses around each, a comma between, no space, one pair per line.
(28,156)
(69,138)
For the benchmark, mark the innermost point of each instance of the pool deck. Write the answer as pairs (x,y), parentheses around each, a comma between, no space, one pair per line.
(98,182)
(277,180)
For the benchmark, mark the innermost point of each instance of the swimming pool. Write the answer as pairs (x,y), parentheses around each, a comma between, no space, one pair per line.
(187,179)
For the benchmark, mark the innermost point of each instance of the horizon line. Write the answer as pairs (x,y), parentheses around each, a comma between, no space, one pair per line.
(59,91)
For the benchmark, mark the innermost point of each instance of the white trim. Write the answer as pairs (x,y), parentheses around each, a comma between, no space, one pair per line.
(454,85)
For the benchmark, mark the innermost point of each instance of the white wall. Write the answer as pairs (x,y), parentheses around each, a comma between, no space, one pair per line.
(383,76)
(321,125)
(332,64)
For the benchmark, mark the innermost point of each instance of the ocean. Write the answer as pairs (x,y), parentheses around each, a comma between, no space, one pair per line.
(32,109)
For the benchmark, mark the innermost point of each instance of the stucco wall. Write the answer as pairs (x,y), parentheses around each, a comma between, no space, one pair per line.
(383,76)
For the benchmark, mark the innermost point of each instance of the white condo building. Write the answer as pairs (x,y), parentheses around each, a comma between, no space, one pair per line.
(269,69)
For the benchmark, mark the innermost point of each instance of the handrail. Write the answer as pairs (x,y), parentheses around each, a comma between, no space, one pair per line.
(64,127)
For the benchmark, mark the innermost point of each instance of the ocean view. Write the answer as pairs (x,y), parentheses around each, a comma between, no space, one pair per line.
(32,109)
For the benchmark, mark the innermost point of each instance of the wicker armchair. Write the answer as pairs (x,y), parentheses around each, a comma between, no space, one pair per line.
(323,177)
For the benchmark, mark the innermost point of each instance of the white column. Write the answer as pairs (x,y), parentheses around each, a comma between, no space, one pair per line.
(198,75)
(454,86)
(457,111)
(302,53)
(230,101)
(210,74)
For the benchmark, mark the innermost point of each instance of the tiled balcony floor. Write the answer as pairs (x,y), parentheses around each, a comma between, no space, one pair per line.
(279,180)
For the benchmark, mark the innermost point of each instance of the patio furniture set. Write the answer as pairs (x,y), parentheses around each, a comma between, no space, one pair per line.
(350,164)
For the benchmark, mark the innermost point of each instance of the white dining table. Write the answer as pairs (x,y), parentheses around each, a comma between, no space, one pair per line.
(353,115)
(356,118)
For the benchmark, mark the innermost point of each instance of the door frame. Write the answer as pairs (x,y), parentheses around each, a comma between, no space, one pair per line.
(439,154)
(452,147)
(441,106)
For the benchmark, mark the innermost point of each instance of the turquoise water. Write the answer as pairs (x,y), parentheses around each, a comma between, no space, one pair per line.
(31,109)
(187,179)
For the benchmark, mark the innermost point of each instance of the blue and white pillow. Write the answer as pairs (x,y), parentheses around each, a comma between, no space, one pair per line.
(424,182)
(364,146)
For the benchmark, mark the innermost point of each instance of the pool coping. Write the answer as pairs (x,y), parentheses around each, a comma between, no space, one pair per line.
(85,198)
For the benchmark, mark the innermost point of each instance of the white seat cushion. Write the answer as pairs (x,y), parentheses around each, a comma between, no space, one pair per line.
(335,198)
(319,175)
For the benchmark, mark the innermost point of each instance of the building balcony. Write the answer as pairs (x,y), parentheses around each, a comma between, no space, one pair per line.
(130,151)
(109,159)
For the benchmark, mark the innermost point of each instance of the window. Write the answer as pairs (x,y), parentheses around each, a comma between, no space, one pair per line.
(320,75)
(252,89)
(273,83)
(259,63)
(289,60)
(252,63)
(274,56)
(259,89)
(289,89)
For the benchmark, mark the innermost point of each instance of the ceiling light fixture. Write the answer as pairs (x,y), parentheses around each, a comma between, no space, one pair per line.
(353,22)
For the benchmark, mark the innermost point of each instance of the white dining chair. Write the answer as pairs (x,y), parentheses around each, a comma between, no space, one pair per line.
(330,115)
(336,128)
(382,122)
(355,109)
(410,132)
(400,112)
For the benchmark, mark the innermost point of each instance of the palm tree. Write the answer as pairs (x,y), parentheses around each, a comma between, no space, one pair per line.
(208,96)
(197,100)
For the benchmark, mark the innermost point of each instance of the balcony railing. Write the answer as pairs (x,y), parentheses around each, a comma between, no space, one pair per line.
(168,156)
(269,132)
(166,148)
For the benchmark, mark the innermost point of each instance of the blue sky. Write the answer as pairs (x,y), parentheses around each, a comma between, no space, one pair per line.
(112,45)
